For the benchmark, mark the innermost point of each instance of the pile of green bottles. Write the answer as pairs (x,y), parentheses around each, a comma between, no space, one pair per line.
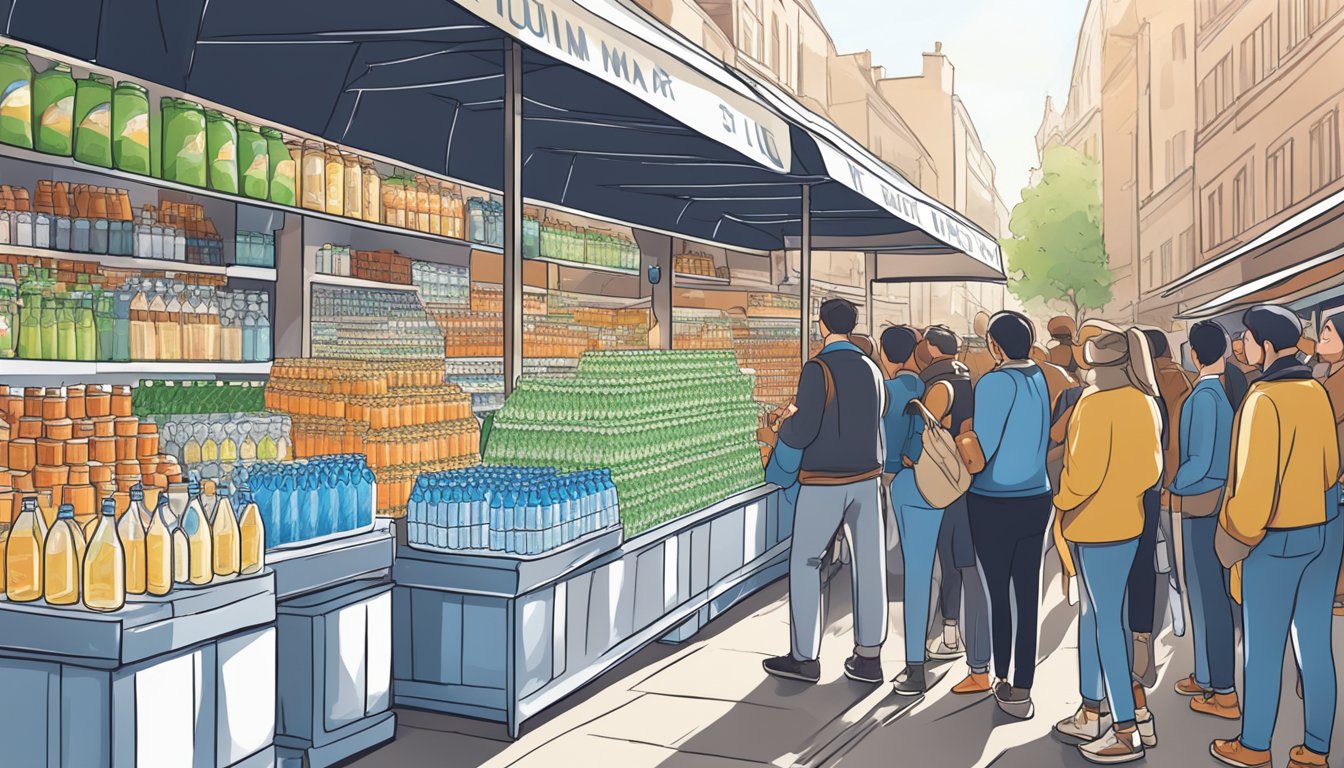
(172,398)
(115,127)
(676,428)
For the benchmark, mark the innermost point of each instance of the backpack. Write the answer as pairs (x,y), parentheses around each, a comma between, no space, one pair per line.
(940,474)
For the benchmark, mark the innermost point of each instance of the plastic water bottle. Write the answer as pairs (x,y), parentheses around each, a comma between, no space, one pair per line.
(496,521)
(415,514)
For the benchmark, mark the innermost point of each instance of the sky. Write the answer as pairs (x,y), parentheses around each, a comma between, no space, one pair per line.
(1008,57)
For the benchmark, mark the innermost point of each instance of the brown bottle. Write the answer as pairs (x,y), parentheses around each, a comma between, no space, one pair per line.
(21,200)
(61,199)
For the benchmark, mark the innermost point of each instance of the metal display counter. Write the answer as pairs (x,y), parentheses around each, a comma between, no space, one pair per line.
(183,680)
(503,637)
(334,621)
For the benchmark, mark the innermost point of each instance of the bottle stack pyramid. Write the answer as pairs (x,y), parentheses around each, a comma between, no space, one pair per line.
(676,429)
(399,413)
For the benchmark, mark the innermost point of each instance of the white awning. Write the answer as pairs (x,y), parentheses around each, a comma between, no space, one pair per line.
(1286,286)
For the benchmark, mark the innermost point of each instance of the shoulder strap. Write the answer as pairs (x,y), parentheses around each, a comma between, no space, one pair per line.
(826,376)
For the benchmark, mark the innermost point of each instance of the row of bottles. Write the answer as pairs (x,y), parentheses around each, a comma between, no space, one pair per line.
(313,498)
(146,319)
(143,552)
(215,443)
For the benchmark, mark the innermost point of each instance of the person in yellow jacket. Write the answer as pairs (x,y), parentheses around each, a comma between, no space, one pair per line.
(1113,455)
(1280,533)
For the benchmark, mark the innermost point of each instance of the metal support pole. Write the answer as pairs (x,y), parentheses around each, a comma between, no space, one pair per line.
(513,215)
(805,281)
(869,271)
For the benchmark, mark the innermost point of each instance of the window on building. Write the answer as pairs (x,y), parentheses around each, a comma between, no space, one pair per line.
(1215,91)
(753,30)
(1325,150)
(1166,262)
(1279,177)
(1213,219)
(1300,19)
(1178,43)
(1179,163)
(1259,55)
(1147,272)
(1210,10)
(774,45)
(1242,203)
(1186,250)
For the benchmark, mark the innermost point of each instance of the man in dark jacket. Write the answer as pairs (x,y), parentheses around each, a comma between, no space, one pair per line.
(836,423)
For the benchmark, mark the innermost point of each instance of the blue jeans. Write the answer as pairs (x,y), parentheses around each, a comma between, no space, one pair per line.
(917,526)
(1288,582)
(1210,607)
(1103,643)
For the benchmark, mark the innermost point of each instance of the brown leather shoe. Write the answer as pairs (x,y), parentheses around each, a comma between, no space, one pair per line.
(1224,705)
(1301,757)
(1233,753)
(975,682)
(1187,686)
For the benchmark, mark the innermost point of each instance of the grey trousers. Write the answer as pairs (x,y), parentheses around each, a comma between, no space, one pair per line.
(822,509)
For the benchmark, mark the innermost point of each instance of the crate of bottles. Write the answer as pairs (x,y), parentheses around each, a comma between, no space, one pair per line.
(153,397)
(677,429)
(365,324)
(306,501)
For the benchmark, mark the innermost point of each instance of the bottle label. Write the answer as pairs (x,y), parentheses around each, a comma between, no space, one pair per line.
(193,149)
(98,120)
(17,101)
(225,152)
(59,116)
(258,166)
(137,130)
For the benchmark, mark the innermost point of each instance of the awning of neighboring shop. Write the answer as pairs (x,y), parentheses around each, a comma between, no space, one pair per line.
(1293,259)
(622,118)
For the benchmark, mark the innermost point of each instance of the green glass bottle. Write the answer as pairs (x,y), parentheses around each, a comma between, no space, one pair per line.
(54,111)
(221,142)
(130,128)
(253,162)
(184,142)
(93,121)
(16,97)
(283,173)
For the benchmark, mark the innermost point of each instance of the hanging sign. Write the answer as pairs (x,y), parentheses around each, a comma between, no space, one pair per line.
(566,30)
(907,202)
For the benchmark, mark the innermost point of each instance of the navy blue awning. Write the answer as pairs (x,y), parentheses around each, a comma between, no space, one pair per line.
(622,118)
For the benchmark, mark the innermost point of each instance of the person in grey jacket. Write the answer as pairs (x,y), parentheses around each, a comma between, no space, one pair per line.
(836,423)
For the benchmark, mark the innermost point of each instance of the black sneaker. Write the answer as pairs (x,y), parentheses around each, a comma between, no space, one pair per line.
(911,681)
(863,669)
(792,669)
(1015,701)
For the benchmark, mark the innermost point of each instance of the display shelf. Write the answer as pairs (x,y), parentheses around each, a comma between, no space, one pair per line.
(710,287)
(355,282)
(130,262)
(499,638)
(586,266)
(16,367)
(305,569)
(686,280)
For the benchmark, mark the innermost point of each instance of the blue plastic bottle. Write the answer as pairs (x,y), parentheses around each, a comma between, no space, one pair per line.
(329,497)
(366,495)
(415,511)
(496,521)
(349,511)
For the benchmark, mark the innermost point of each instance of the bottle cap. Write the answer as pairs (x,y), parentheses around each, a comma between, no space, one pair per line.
(65,512)
(109,507)
(29,504)
(137,492)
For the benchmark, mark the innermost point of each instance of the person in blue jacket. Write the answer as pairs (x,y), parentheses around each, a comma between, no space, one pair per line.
(1010,502)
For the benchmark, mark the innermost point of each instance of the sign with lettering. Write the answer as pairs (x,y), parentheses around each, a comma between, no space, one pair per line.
(904,200)
(567,31)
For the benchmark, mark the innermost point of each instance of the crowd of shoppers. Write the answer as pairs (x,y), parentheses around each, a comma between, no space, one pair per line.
(1104,432)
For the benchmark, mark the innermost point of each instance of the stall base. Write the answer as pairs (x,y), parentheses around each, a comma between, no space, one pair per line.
(502,638)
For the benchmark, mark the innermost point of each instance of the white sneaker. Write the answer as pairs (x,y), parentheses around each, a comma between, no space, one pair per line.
(1113,749)
(1147,727)
(1084,725)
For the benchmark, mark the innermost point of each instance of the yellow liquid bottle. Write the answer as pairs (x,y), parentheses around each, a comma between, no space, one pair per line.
(196,528)
(159,552)
(131,531)
(23,555)
(105,564)
(64,554)
(252,537)
(224,535)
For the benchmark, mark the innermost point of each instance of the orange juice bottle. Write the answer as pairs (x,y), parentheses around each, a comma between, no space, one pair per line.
(159,551)
(63,556)
(131,531)
(196,528)
(251,536)
(24,555)
(105,564)
(224,535)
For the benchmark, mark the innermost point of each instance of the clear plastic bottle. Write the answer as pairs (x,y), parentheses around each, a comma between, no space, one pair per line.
(179,497)
(63,557)
(24,554)
(159,569)
(131,531)
(225,535)
(196,528)
(105,564)
(251,536)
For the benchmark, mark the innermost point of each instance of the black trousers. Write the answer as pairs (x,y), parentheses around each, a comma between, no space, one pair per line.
(1142,585)
(1009,538)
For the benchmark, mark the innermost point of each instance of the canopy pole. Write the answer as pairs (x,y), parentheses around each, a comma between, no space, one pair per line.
(870,269)
(805,279)
(513,215)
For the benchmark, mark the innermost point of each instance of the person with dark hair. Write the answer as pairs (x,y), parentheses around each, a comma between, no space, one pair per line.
(1009,504)
(917,522)
(839,472)
(1112,456)
(1330,351)
(1062,348)
(1250,372)
(1205,442)
(950,397)
(975,352)
(1279,533)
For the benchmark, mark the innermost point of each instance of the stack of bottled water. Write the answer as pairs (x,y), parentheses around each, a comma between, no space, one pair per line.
(312,498)
(519,510)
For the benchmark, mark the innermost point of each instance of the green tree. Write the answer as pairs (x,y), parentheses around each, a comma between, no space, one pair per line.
(1056,254)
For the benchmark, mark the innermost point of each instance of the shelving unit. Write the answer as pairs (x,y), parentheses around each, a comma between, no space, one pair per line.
(240,272)
(355,282)
(586,266)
